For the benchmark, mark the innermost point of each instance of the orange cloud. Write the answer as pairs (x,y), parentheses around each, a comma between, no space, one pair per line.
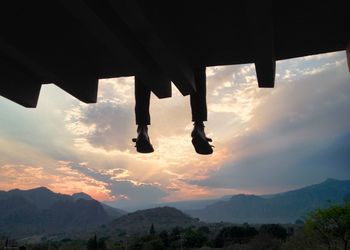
(64,180)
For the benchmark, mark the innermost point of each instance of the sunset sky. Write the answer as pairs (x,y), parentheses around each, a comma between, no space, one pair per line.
(266,140)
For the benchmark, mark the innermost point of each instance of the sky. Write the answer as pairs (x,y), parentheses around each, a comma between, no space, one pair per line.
(266,140)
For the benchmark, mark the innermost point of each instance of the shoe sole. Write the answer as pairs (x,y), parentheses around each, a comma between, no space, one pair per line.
(202,146)
(144,146)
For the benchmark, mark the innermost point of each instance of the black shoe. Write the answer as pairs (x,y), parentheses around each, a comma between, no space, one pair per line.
(143,144)
(200,141)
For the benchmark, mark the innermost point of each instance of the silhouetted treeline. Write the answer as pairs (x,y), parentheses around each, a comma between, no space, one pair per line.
(327,228)
(177,238)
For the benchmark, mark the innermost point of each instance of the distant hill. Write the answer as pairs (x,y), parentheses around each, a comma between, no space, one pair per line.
(279,208)
(111,211)
(41,197)
(161,217)
(81,195)
(39,210)
(190,204)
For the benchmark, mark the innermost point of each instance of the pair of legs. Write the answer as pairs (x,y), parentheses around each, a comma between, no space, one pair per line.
(198,109)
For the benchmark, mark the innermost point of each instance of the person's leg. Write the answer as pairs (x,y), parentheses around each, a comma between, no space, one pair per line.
(142,116)
(199,98)
(142,103)
(199,113)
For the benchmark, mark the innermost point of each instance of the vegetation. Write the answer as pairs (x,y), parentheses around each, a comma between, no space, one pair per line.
(331,226)
(327,229)
(204,237)
(94,244)
(235,235)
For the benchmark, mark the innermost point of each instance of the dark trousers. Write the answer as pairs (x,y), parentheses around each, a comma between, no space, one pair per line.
(198,100)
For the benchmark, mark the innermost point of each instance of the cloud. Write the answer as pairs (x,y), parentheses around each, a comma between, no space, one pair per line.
(289,139)
(112,124)
(62,179)
(117,90)
(281,169)
(265,139)
(126,191)
(41,129)
(109,123)
(113,185)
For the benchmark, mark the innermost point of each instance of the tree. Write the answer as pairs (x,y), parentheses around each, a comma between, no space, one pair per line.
(234,234)
(193,238)
(275,230)
(101,244)
(331,224)
(153,244)
(204,230)
(301,241)
(164,236)
(299,222)
(92,243)
(175,234)
(147,243)
(263,242)
(151,230)
(175,238)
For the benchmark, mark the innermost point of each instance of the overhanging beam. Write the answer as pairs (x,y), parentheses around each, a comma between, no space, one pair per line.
(84,88)
(26,95)
(154,77)
(20,77)
(172,63)
(17,84)
(348,54)
(24,92)
(260,13)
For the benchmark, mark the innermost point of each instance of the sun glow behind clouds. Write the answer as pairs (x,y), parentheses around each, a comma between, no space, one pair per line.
(72,147)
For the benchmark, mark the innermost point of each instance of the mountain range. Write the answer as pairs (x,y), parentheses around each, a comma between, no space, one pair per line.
(40,211)
(27,212)
(279,208)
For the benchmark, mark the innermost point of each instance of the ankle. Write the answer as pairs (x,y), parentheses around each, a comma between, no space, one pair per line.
(142,128)
(198,124)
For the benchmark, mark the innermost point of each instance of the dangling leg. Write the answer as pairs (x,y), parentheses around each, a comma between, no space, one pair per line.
(199,114)
(142,115)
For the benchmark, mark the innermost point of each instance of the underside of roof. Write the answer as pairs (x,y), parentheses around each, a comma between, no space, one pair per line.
(74,43)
